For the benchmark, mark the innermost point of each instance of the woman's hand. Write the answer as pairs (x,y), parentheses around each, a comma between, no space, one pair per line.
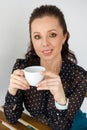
(53,83)
(17,81)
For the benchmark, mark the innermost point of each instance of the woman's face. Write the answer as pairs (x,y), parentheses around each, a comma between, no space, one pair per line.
(47,37)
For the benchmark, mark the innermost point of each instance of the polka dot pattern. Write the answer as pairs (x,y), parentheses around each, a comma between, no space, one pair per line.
(41,104)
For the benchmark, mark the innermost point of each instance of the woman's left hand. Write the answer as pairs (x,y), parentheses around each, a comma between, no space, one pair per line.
(53,83)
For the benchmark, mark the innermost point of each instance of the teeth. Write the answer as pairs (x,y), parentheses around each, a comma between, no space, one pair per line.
(47,51)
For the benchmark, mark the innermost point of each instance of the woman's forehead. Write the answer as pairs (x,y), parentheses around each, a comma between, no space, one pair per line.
(46,22)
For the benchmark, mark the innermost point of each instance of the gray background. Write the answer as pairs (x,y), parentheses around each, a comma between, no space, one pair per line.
(14,37)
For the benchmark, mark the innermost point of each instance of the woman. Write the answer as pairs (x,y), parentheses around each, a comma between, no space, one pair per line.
(56,99)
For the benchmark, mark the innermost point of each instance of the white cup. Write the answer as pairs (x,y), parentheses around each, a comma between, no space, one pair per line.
(33,74)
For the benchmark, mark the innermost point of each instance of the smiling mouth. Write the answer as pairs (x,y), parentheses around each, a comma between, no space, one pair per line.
(47,52)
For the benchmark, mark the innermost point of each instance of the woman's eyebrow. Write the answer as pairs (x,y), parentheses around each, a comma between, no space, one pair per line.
(48,31)
(35,32)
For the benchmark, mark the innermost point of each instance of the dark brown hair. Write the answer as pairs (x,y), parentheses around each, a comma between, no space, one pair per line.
(50,10)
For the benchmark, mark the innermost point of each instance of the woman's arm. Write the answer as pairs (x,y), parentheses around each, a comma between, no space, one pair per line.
(63,119)
(13,106)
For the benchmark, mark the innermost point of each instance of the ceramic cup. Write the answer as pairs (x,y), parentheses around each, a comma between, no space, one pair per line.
(33,74)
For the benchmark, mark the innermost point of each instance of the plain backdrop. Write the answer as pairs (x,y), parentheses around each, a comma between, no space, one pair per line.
(14,34)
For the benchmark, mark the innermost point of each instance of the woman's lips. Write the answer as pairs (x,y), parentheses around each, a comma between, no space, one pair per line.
(47,52)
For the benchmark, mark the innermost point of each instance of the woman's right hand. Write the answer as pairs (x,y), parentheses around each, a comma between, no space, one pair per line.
(17,81)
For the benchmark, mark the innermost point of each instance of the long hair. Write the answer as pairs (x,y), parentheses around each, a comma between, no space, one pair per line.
(50,10)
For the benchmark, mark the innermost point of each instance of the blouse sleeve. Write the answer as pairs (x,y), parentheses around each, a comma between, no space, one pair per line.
(13,106)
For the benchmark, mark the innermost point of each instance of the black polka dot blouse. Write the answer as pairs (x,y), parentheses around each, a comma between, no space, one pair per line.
(41,104)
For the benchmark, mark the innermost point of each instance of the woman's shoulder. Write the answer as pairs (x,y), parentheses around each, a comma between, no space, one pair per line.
(75,68)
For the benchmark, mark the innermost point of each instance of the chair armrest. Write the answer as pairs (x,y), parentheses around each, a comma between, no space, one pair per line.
(2,127)
(22,123)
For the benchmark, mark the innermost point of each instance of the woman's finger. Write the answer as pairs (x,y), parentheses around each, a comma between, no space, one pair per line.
(54,81)
(49,74)
(48,85)
(16,86)
(20,78)
(18,83)
(18,72)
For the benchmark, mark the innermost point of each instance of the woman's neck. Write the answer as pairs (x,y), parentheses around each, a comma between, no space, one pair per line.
(53,66)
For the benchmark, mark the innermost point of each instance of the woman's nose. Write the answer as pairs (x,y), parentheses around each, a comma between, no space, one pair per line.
(45,42)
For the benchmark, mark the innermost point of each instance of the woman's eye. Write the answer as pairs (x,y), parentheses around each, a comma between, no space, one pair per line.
(37,37)
(53,35)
